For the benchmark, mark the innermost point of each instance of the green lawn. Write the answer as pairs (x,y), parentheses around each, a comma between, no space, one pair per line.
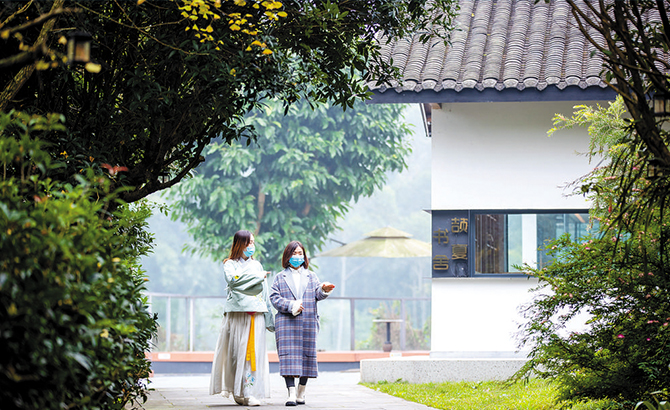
(533,395)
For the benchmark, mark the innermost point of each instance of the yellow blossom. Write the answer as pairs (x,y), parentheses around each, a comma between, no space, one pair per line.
(282,14)
(104,333)
(235,27)
(240,3)
(271,5)
(267,51)
(41,65)
(93,67)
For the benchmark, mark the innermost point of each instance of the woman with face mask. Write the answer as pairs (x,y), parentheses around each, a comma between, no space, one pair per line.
(240,364)
(294,294)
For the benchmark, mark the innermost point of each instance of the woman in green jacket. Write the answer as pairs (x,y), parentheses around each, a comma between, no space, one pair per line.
(240,364)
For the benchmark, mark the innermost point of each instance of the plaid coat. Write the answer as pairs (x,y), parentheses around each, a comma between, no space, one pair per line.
(296,335)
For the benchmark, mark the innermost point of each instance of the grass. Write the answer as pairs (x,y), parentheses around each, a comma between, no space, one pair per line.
(534,395)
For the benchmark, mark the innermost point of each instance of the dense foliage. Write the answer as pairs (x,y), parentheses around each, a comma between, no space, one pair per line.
(174,75)
(74,327)
(620,279)
(296,182)
(600,324)
(632,38)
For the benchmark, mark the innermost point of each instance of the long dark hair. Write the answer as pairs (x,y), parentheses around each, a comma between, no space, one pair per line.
(241,240)
(288,252)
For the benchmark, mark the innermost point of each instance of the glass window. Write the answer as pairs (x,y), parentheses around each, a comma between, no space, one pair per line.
(503,241)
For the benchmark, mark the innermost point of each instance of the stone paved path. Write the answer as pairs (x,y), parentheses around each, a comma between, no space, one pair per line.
(331,390)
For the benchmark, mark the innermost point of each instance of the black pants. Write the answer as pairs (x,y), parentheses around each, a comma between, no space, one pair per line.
(290,381)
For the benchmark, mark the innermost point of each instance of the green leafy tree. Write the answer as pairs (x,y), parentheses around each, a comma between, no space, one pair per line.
(617,279)
(632,38)
(74,327)
(175,75)
(296,182)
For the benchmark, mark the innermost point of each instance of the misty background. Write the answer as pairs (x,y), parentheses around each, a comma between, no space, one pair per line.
(187,291)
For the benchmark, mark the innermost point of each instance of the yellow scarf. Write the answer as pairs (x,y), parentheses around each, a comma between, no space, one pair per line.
(251,351)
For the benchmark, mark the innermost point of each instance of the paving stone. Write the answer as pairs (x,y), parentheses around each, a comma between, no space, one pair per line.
(331,390)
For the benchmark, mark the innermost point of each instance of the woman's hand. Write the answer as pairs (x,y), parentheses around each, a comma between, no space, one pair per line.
(327,287)
(297,307)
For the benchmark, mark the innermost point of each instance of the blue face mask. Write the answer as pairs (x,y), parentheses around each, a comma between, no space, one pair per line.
(249,251)
(296,261)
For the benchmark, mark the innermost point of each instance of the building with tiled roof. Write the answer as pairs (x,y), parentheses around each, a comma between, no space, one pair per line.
(499,185)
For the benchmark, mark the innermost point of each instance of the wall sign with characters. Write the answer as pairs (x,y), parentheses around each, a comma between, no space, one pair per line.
(450,244)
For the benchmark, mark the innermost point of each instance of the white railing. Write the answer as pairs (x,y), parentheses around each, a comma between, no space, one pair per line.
(191,323)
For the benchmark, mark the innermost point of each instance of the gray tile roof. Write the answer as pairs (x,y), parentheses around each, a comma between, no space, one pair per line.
(499,45)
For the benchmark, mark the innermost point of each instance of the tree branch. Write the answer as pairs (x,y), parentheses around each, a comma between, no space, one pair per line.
(24,74)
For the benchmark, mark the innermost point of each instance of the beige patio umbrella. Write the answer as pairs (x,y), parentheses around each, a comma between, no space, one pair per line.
(386,242)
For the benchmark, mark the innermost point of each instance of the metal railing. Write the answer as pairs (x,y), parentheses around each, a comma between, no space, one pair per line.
(190,322)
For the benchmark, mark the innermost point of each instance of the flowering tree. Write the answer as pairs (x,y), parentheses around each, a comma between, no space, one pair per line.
(176,74)
(618,279)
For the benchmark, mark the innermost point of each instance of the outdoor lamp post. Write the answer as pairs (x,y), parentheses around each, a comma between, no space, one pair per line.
(661,104)
(79,47)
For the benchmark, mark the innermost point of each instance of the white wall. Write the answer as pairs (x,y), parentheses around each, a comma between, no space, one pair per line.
(498,156)
(477,317)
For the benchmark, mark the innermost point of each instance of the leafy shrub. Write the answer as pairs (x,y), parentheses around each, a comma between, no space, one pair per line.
(74,326)
(618,280)
(655,405)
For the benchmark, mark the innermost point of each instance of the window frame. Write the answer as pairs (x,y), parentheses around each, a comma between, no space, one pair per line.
(471,239)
